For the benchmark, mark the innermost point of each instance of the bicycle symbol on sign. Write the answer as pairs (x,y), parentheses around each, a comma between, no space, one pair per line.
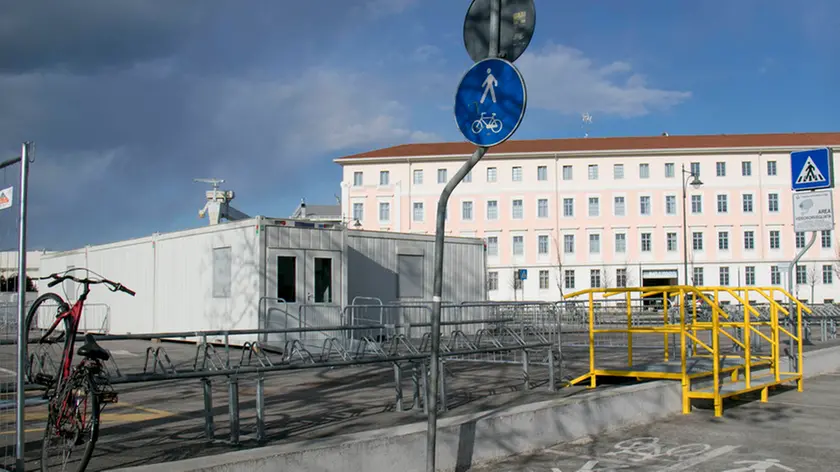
(646,448)
(490,122)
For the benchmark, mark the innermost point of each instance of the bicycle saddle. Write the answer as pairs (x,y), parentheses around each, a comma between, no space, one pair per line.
(92,350)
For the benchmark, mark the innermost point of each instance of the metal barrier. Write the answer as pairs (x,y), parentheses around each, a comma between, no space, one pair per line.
(701,354)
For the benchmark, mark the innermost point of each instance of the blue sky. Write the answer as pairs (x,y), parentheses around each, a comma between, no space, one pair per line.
(129,101)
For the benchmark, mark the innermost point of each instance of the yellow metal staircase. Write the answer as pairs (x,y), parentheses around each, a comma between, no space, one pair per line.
(703,368)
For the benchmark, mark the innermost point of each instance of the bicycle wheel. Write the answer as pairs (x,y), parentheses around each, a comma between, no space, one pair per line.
(44,356)
(477,126)
(73,421)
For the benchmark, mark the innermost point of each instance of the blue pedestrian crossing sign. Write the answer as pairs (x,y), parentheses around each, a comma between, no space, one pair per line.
(811,170)
(490,102)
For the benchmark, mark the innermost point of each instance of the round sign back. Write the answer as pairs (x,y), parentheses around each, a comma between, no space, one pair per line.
(517,22)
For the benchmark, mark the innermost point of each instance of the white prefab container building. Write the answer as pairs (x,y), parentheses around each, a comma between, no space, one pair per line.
(263,273)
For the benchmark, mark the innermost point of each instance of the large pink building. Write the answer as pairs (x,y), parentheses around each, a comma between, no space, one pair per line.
(578,213)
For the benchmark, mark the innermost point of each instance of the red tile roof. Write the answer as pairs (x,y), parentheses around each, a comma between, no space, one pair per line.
(610,144)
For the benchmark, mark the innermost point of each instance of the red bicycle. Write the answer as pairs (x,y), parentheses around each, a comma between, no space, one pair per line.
(77,394)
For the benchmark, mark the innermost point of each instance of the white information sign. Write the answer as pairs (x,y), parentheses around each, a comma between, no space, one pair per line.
(6,198)
(813,211)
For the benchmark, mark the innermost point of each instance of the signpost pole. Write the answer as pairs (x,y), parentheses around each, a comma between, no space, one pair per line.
(21,321)
(434,367)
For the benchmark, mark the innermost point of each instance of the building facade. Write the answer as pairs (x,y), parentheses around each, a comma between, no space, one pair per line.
(606,212)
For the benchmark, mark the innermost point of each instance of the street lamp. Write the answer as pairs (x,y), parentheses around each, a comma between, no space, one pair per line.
(695,182)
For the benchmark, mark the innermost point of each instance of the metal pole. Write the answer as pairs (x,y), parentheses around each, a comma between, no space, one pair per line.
(434,384)
(685,231)
(21,338)
(791,275)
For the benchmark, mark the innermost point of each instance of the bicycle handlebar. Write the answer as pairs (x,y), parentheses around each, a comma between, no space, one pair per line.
(112,286)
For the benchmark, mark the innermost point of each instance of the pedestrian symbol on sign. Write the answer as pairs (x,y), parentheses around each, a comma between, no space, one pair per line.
(810,173)
(490,84)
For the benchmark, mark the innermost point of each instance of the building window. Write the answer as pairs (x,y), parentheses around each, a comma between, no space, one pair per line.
(384,177)
(492,281)
(491,174)
(720,169)
(287,278)
(620,242)
(724,276)
(827,274)
(518,245)
(384,212)
(646,242)
(357,179)
(670,204)
(569,243)
(671,239)
(569,279)
(697,204)
(542,208)
(800,240)
(773,202)
(466,211)
(358,211)
(618,171)
(697,241)
(644,171)
(722,204)
(775,239)
(418,177)
(492,245)
(801,274)
(644,205)
(771,167)
(595,278)
(543,279)
(418,211)
(567,172)
(695,169)
(618,203)
(749,240)
(516,174)
(542,244)
(441,176)
(697,276)
(825,239)
(594,244)
(222,272)
(542,173)
(749,275)
(492,209)
(518,210)
(322,274)
(669,170)
(621,278)
(747,200)
(593,171)
(775,275)
(723,240)
(594,206)
(746,168)
(569,207)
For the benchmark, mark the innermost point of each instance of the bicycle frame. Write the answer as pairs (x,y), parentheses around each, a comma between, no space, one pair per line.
(75,315)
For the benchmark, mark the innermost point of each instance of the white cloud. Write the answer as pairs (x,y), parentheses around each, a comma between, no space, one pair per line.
(562,79)
(388,7)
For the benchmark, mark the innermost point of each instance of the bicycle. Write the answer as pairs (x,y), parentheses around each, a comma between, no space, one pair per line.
(490,122)
(71,392)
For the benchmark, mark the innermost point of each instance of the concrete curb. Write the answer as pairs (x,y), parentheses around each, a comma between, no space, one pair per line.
(471,439)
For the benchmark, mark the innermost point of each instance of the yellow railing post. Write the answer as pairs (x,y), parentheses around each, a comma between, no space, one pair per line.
(747,338)
(592,380)
(799,348)
(665,322)
(629,299)
(716,359)
(775,350)
(686,404)
(693,323)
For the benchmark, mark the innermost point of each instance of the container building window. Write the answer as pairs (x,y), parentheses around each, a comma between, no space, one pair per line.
(287,278)
(323,280)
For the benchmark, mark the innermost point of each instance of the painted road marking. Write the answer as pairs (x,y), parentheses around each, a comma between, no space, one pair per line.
(10,372)
(699,459)
(144,415)
(123,352)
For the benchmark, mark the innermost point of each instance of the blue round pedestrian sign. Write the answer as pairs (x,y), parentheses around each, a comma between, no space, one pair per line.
(490,102)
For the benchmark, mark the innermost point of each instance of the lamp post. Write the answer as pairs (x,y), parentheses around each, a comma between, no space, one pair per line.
(695,182)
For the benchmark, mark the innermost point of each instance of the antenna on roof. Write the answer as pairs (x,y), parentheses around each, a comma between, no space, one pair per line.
(214,182)
(585,121)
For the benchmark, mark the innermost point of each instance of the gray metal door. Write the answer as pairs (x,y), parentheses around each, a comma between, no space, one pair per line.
(285,293)
(323,304)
